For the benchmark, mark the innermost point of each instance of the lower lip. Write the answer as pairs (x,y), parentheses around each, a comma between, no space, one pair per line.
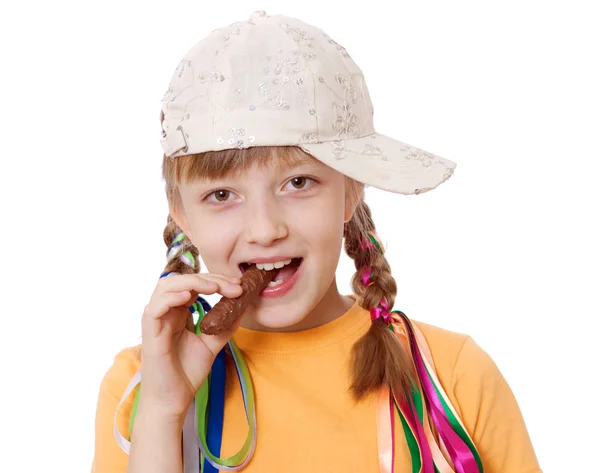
(284,287)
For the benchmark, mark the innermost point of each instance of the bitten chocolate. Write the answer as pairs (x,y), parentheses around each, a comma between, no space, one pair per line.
(224,314)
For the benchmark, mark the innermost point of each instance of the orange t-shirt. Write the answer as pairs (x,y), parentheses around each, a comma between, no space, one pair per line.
(306,417)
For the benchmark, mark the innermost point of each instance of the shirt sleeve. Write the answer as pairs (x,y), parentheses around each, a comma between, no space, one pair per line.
(491,414)
(108,455)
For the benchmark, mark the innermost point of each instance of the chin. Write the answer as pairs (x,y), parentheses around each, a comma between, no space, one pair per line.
(276,318)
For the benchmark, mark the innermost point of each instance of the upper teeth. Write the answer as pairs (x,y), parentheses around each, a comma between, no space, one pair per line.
(270,266)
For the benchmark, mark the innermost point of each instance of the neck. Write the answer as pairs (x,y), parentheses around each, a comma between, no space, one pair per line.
(331,306)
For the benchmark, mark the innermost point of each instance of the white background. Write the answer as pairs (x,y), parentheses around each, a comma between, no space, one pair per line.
(507,250)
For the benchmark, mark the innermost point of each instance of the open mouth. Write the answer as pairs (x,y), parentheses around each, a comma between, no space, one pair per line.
(286,269)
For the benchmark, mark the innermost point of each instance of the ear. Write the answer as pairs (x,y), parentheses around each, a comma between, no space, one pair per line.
(351,202)
(178,215)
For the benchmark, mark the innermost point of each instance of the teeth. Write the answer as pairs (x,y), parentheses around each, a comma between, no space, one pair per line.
(275,283)
(270,266)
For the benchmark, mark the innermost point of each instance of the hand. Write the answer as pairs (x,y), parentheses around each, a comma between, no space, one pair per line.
(175,361)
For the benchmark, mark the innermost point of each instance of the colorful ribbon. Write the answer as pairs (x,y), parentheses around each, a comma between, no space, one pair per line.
(371,243)
(239,460)
(376,312)
(453,451)
(176,246)
(382,312)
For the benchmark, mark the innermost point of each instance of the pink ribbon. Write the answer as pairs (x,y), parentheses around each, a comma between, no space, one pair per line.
(367,244)
(365,276)
(377,312)
(462,457)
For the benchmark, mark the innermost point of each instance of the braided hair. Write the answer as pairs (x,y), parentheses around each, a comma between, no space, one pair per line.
(182,256)
(377,357)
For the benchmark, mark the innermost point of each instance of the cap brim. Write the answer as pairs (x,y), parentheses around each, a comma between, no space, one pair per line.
(383,162)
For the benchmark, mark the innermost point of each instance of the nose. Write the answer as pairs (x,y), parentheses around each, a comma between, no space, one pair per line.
(265,224)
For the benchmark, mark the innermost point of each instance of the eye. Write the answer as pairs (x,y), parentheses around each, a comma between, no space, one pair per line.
(300,182)
(220,195)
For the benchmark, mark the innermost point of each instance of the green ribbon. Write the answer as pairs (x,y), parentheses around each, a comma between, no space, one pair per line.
(202,408)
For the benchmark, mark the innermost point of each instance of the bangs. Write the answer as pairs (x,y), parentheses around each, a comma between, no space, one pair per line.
(230,163)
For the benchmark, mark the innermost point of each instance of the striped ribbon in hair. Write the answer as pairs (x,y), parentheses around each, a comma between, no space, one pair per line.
(452,451)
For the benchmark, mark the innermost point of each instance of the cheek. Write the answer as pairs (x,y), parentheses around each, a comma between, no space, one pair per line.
(322,228)
(214,243)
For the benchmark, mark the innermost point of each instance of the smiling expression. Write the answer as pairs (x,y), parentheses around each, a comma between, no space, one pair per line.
(272,211)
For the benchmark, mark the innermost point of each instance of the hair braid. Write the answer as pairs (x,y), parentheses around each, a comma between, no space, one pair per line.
(377,358)
(182,256)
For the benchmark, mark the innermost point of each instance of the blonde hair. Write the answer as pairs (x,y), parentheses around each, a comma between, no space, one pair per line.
(377,358)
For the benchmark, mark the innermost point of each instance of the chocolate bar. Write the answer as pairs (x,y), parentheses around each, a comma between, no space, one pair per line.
(225,312)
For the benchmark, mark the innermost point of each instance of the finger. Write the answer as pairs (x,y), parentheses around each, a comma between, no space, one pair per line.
(230,290)
(185,282)
(161,305)
(199,282)
(225,287)
(229,278)
(220,277)
(201,286)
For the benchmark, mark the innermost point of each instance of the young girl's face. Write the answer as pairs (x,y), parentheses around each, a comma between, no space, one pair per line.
(272,213)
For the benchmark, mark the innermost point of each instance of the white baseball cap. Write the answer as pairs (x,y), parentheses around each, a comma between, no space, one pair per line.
(275,80)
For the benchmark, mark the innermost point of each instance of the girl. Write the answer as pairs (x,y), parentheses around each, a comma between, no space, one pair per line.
(269,143)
